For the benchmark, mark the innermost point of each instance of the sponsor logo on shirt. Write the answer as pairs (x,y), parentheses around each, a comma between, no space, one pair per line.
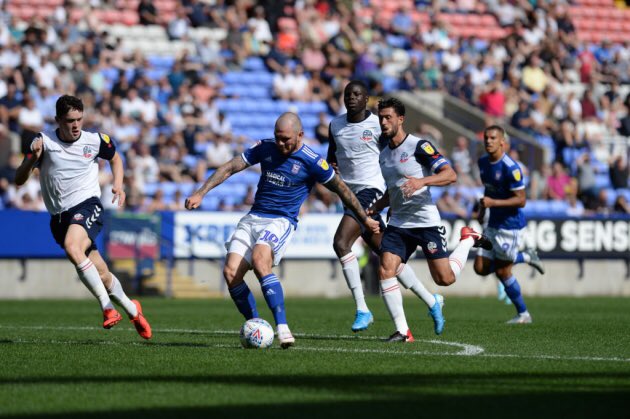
(275,179)
(427,148)
(404,157)
(517,174)
(323,164)
(367,135)
(87,152)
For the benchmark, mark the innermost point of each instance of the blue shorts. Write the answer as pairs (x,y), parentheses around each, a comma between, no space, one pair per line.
(88,214)
(404,242)
(367,198)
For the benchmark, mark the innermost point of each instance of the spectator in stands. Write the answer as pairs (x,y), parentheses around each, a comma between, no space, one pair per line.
(557,183)
(575,207)
(624,123)
(10,108)
(621,205)
(534,78)
(148,13)
(589,109)
(619,172)
(179,26)
(492,99)
(219,151)
(588,192)
(146,168)
(157,203)
(31,122)
(460,156)
(452,204)
(522,120)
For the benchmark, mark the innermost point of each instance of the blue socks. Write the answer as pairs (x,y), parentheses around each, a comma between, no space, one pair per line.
(274,296)
(244,300)
(513,290)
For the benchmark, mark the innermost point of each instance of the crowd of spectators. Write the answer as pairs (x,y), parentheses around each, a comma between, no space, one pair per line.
(169,129)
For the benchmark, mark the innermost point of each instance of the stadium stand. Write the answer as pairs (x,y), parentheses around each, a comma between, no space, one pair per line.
(200,98)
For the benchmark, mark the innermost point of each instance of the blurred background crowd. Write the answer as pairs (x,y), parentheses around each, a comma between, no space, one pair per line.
(183,86)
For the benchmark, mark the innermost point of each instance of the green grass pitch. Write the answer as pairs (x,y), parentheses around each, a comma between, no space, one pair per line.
(574,361)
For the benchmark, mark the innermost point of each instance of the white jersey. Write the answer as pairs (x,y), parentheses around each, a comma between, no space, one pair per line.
(357,152)
(415,157)
(69,171)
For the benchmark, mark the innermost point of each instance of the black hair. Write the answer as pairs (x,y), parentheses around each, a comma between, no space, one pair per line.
(66,103)
(392,102)
(358,83)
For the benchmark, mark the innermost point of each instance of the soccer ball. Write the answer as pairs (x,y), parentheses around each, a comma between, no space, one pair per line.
(256,333)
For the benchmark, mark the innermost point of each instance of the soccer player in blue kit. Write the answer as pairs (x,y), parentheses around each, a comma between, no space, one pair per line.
(504,196)
(289,171)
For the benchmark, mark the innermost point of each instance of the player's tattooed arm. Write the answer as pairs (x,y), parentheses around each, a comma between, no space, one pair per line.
(219,176)
(350,200)
(222,173)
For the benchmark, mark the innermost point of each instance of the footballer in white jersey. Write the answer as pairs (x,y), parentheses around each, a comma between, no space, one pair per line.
(68,168)
(355,148)
(410,166)
(69,171)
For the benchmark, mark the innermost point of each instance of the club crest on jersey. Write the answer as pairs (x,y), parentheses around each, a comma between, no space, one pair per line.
(404,157)
(87,152)
(431,247)
(78,217)
(427,147)
(367,135)
(295,169)
(517,174)
(323,164)
(497,175)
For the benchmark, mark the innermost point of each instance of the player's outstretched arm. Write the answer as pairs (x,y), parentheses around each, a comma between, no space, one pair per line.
(24,171)
(350,200)
(118,171)
(218,177)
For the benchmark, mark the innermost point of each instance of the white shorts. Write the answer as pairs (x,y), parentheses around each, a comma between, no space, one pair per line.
(505,244)
(252,230)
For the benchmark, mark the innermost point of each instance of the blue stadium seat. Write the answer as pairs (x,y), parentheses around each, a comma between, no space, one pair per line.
(210,203)
(254,64)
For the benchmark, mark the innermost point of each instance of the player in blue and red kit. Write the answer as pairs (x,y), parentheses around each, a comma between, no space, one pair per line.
(504,196)
(289,170)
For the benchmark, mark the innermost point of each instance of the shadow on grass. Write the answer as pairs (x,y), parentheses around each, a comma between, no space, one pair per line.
(519,395)
(539,406)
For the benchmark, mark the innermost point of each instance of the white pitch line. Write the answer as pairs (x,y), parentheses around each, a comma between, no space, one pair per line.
(466,349)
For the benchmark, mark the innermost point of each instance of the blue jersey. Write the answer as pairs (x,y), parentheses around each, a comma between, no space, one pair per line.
(285,181)
(501,179)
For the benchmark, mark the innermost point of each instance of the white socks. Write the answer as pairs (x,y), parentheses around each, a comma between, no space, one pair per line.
(394,303)
(352,273)
(458,257)
(88,274)
(118,295)
(410,281)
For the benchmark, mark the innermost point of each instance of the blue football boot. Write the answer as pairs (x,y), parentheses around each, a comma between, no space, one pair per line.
(362,321)
(436,314)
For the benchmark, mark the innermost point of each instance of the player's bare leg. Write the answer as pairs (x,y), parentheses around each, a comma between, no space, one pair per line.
(76,245)
(262,262)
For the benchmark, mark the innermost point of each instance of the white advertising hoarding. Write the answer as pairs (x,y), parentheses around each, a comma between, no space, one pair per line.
(203,235)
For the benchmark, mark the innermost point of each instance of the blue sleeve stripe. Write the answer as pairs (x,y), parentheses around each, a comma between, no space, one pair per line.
(310,152)
(438,164)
